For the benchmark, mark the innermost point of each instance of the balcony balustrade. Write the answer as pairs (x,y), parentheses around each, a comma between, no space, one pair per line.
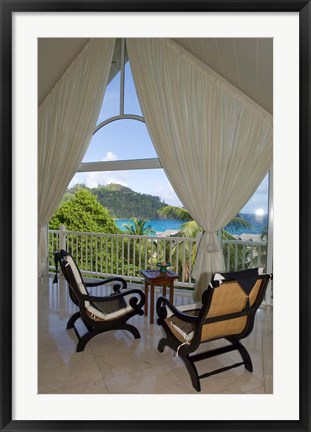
(105,255)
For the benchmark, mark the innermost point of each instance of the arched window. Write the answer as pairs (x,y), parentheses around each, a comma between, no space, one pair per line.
(121,150)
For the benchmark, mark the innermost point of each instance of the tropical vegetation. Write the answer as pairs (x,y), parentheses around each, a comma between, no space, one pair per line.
(122,202)
(138,226)
(190,228)
(81,211)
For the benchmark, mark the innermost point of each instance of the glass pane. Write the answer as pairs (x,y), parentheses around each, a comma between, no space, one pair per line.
(120,140)
(150,181)
(111,102)
(245,239)
(255,212)
(131,103)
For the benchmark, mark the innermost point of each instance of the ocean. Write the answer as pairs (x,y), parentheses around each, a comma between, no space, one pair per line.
(158,225)
(161,225)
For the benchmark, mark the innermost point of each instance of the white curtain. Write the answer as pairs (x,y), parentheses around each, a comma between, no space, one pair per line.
(67,119)
(214,143)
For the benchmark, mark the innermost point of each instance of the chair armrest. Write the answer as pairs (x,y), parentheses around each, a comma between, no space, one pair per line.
(162,302)
(107,281)
(134,301)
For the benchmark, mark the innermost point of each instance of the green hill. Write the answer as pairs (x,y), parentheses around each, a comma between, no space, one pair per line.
(123,203)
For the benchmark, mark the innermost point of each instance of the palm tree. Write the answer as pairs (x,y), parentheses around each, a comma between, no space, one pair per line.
(264,233)
(138,226)
(263,249)
(190,228)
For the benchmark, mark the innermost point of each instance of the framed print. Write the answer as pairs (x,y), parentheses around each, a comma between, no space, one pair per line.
(257,54)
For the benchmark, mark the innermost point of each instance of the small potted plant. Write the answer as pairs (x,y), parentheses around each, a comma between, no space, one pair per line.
(163,265)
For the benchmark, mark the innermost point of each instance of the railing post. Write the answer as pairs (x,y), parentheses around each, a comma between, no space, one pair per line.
(219,234)
(62,237)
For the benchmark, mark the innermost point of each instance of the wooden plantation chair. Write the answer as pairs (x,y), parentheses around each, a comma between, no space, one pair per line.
(99,314)
(227,311)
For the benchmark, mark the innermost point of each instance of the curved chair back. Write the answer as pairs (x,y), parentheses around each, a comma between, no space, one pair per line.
(231,304)
(73,278)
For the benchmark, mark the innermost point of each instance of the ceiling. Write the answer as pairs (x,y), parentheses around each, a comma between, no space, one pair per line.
(54,57)
(247,63)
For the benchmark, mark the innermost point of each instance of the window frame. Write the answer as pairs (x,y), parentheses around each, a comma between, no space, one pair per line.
(119,165)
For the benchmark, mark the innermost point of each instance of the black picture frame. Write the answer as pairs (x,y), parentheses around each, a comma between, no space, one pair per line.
(7,9)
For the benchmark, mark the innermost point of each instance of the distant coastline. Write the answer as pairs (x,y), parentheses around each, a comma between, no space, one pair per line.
(158,225)
(173,225)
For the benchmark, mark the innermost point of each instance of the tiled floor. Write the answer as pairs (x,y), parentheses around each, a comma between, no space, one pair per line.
(114,362)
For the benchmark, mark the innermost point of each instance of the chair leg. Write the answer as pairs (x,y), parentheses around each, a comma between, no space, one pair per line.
(91,333)
(132,330)
(72,320)
(245,356)
(85,339)
(192,370)
(162,344)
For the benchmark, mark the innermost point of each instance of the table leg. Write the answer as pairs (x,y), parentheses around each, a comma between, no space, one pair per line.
(151,303)
(172,293)
(146,302)
(164,290)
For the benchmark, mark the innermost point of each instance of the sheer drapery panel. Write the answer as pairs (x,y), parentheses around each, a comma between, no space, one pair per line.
(66,121)
(214,143)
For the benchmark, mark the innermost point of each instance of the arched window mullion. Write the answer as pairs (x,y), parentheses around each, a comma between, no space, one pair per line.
(122,78)
(120,165)
(119,117)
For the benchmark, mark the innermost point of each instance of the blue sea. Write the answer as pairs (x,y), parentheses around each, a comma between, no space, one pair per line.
(158,225)
(161,225)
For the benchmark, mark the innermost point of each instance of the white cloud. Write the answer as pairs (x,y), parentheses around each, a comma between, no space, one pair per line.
(110,157)
(93,179)
(166,193)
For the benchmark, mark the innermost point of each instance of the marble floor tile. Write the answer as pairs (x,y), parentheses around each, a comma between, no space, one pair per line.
(155,380)
(95,387)
(114,362)
(55,339)
(258,390)
(66,368)
(268,383)
(235,381)
(118,358)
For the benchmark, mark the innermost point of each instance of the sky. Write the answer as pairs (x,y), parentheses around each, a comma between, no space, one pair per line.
(129,139)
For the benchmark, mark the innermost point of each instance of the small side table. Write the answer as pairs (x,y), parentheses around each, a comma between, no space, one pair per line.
(154,278)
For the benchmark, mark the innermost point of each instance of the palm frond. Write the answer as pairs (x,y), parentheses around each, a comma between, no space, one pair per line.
(190,229)
(239,222)
(138,226)
(175,213)
(225,235)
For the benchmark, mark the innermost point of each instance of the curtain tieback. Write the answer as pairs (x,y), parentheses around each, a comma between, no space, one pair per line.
(211,240)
